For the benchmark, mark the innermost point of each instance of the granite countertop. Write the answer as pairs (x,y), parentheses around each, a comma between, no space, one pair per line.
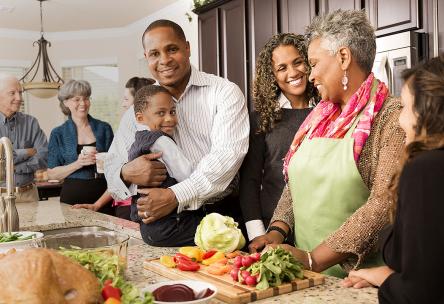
(51,214)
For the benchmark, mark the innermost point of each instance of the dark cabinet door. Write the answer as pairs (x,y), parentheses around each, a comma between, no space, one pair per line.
(393,16)
(262,25)
(209,42)
(295,15)
(326,6)
(233,43)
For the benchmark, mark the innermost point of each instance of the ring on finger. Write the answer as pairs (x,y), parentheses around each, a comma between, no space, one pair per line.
(145,214)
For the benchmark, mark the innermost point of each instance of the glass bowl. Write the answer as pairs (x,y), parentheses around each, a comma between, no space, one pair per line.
(22,244)
(106,242)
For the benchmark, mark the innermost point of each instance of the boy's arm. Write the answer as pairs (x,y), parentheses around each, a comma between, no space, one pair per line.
(178,166)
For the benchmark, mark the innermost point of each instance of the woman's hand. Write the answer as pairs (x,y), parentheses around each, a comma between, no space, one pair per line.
(92,207)
(355,282)
(270,238)
(299,254)
(86,159)
(374,276)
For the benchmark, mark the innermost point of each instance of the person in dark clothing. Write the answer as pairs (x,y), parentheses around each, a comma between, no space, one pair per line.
(413,247)
(155,113)
(282,100)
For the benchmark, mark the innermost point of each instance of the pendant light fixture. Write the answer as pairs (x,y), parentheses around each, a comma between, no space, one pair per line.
(50,84)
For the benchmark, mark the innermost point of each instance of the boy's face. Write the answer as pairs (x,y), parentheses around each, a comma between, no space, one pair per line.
(160,114)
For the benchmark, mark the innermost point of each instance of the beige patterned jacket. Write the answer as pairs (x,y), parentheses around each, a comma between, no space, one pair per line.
(378,161)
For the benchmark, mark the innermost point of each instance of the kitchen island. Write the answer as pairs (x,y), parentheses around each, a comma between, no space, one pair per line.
(51,214)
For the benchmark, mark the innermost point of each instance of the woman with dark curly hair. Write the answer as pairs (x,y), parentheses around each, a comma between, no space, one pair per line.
(282,98)
(413,248)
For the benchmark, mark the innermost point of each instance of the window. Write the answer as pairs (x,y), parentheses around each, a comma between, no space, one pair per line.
(105,92)
(18,72)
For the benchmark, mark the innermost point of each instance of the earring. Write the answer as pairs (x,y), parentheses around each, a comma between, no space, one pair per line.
(344,80)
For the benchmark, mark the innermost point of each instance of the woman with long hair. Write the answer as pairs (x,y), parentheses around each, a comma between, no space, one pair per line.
(283,97)
(413,247)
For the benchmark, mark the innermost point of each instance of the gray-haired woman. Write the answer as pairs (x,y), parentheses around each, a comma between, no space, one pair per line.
(73,147)
(343,155)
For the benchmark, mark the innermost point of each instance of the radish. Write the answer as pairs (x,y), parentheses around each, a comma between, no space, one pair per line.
(251,280)
(247,261)
(234,273)
(238,261)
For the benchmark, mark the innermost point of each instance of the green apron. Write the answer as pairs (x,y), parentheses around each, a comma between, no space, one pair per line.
(327,189)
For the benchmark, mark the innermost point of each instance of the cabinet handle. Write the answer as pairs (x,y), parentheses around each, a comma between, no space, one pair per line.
(435,29)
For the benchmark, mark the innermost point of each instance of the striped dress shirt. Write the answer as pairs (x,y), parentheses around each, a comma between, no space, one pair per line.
(212,131)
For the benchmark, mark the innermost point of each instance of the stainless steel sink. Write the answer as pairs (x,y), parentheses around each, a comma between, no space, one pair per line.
(87,230)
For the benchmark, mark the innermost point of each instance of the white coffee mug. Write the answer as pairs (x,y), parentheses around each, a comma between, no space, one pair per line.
(100,162)
(88,149)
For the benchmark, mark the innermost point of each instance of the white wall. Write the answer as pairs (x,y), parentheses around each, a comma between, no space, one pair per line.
(120,45)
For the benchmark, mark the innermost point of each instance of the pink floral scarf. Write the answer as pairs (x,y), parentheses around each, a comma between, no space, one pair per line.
(328,121)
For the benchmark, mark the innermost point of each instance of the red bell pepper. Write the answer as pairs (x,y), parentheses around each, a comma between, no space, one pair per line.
(108,291)
(208,254)
(179,256)
(185,263)
(188,265)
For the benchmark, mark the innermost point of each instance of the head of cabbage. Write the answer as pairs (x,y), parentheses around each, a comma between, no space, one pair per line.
(219,232)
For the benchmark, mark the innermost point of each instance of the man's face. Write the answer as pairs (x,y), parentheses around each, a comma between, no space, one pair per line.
(10,96)
(168,56)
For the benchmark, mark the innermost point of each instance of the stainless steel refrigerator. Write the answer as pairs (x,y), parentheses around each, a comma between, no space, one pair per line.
(396,53)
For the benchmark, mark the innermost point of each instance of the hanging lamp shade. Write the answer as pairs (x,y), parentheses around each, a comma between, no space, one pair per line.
(50,84)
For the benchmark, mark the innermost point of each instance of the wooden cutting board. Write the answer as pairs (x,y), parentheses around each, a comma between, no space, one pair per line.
(230,291)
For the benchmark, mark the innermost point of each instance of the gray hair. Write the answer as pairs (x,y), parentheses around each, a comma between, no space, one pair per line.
(73,88)
(5,77)
(346,28)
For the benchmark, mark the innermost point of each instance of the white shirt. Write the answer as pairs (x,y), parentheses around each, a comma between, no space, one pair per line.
(212,131)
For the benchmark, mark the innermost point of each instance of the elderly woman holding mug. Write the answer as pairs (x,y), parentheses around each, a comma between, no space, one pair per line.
(342,157)
(73,147)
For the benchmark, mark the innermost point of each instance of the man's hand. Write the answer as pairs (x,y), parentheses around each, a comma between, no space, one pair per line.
(143,171)
(155,204)
(31,152)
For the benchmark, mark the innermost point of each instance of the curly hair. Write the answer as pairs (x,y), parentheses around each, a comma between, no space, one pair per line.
(426,84)
(265,88)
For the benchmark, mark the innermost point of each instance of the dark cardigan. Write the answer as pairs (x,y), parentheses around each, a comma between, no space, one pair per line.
(414,248)
(62,148)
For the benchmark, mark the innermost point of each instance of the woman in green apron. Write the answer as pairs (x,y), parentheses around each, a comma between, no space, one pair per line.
(341,159)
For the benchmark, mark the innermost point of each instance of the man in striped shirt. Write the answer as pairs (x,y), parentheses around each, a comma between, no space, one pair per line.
(213,130)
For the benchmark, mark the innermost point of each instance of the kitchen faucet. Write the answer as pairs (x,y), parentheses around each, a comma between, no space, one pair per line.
(9,220)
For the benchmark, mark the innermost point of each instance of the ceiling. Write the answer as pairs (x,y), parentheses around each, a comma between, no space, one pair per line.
(75,15)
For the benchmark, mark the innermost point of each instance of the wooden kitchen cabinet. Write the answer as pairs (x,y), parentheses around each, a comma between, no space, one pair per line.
(262,25)
(222,41)
(208,42)
(233,43)
(326,6)
(393,16)
(295,15)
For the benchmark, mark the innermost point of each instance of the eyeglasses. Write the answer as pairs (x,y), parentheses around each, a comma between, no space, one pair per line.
(78,99)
